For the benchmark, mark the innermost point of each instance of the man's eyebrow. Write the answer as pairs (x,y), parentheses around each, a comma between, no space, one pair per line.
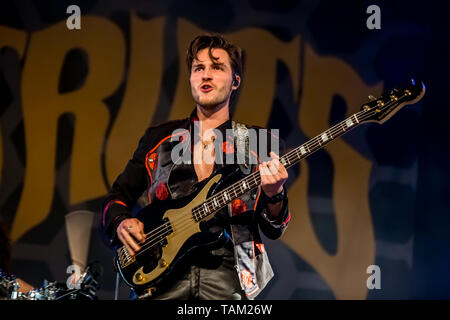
(200,64)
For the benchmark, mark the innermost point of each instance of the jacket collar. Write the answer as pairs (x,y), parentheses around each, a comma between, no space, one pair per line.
(193,118)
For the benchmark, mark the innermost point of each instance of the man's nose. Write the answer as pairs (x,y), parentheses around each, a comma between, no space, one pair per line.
(207,74)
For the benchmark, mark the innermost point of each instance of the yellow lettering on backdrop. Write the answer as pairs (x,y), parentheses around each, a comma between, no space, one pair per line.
(15,39)
(141,95)
(262,51)
(344,272)
(104,45)
(257,87)
(183,102)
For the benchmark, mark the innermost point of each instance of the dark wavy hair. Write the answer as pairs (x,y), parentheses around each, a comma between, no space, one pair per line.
(215,41)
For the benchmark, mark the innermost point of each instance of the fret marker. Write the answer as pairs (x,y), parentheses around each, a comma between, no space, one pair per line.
(244,185)
(283,162)
(302,150)
(215,202)
(324,137)
(206,207)
(349,123)
(225,196)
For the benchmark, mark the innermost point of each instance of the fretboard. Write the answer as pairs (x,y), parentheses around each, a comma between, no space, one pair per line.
(253,180)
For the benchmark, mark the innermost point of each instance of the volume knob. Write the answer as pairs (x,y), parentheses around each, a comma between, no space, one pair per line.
(163,263)
(139,277)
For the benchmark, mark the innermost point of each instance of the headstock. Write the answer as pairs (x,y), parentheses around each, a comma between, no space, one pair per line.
(381,109)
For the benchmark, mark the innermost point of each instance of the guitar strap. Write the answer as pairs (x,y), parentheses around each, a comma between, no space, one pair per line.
(241,141)
(241,235)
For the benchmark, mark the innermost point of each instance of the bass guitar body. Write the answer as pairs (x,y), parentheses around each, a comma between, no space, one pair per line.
(173,230)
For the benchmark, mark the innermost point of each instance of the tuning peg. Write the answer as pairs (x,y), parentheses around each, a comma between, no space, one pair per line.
(371,97)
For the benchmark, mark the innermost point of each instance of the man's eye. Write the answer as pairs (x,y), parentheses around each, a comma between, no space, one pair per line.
(218,67)
(198,68)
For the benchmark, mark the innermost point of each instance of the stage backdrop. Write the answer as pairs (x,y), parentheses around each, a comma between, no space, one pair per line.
(369,212)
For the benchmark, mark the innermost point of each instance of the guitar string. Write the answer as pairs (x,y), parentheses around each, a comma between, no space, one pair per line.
(158,237)
(291,155)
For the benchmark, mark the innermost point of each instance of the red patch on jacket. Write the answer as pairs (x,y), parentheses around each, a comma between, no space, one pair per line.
(227,147)
(184,137)
(260,247)
(247,279)
(238,207)
(153,161)
(161,191)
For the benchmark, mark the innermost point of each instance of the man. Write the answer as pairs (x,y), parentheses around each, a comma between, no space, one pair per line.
(240,269)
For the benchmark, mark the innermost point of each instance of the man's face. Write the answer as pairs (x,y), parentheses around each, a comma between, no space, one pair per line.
(211,81)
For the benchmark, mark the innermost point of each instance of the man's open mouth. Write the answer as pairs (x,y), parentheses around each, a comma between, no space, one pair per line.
(206,88)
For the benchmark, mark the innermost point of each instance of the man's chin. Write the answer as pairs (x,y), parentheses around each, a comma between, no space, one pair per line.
(210,105)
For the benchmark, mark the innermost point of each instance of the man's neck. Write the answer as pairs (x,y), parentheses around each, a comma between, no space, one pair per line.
(211,119)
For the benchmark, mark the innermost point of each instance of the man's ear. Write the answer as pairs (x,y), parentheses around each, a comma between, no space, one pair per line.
(236,82)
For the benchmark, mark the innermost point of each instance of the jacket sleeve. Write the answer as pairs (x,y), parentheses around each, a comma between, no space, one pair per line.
(273,227)
(125,191)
